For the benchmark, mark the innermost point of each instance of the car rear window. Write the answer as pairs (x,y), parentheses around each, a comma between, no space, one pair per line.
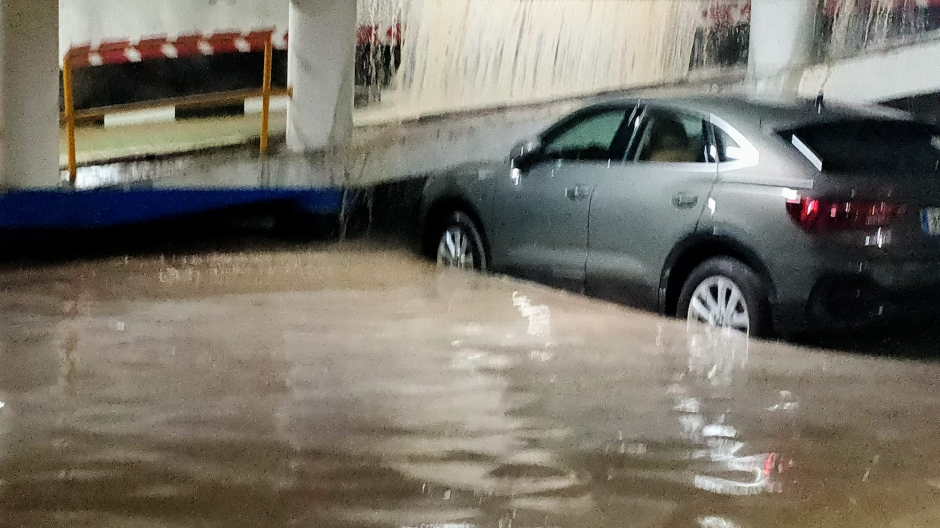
(869,145)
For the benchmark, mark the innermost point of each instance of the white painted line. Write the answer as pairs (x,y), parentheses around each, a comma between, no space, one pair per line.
(278,104)
(157,115)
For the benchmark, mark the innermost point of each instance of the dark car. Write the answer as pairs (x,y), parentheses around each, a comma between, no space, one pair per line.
(758,216)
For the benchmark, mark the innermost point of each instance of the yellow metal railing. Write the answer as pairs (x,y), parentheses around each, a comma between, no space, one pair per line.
(80,57)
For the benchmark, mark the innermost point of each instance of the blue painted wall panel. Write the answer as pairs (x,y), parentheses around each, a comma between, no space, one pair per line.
(108,208)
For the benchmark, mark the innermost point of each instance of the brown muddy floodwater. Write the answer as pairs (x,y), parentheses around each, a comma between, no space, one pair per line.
(357,387)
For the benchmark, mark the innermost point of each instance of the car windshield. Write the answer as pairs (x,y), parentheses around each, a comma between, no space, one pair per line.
(869,146)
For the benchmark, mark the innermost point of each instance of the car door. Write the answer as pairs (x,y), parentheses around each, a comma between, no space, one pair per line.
(644,208)
(542,212)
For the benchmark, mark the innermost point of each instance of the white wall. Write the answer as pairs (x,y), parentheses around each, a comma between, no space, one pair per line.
(380,12)
(881,76)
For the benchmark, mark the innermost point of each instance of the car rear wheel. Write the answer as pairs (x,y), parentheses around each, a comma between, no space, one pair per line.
(726,293)
(460,244)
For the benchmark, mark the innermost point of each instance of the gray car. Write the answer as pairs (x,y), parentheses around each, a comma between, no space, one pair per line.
(757,216)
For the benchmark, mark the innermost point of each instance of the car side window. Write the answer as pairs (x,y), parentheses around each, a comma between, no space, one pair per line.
(673,137)
(590,139)
(728,148)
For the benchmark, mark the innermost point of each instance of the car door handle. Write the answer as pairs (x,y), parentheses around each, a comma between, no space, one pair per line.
(578,192)
(684,201)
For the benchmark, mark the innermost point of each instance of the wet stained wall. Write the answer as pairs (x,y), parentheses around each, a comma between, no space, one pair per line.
(456,54)
(477,53)
(474,53)
(851,27)
(464,54)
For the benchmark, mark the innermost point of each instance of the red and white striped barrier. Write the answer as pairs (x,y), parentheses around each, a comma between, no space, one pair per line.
(130,51)
(123,52)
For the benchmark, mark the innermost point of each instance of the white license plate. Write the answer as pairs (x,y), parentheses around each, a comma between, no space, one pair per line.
(930,217)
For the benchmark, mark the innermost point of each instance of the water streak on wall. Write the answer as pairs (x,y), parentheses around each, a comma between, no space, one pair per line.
(379,12)
(461,54)
(849,27)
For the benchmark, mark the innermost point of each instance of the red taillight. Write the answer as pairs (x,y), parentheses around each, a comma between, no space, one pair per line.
(819,214)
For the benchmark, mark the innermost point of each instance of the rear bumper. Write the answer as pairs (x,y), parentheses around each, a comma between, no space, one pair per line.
(858,300)
(859,294)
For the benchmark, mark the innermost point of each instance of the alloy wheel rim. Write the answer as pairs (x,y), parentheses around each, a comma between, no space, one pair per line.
(719,302)
(455,249)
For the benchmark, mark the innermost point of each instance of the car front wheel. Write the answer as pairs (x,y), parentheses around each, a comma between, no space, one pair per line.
(726,293)
(460,244)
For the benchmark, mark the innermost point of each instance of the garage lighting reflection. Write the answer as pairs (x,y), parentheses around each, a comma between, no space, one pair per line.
(713,521)
(539,316)
(758,466)
(714,357)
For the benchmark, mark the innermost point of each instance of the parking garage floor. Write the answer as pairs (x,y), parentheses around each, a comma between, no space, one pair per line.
(354,386)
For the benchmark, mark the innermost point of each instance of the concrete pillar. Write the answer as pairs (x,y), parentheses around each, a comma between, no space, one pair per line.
(781,44)
(29,94)
(321,59)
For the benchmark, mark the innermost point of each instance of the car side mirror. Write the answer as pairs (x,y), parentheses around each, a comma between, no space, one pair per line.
(524,153)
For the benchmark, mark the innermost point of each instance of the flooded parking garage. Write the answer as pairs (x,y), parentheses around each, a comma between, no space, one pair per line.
(355,386)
